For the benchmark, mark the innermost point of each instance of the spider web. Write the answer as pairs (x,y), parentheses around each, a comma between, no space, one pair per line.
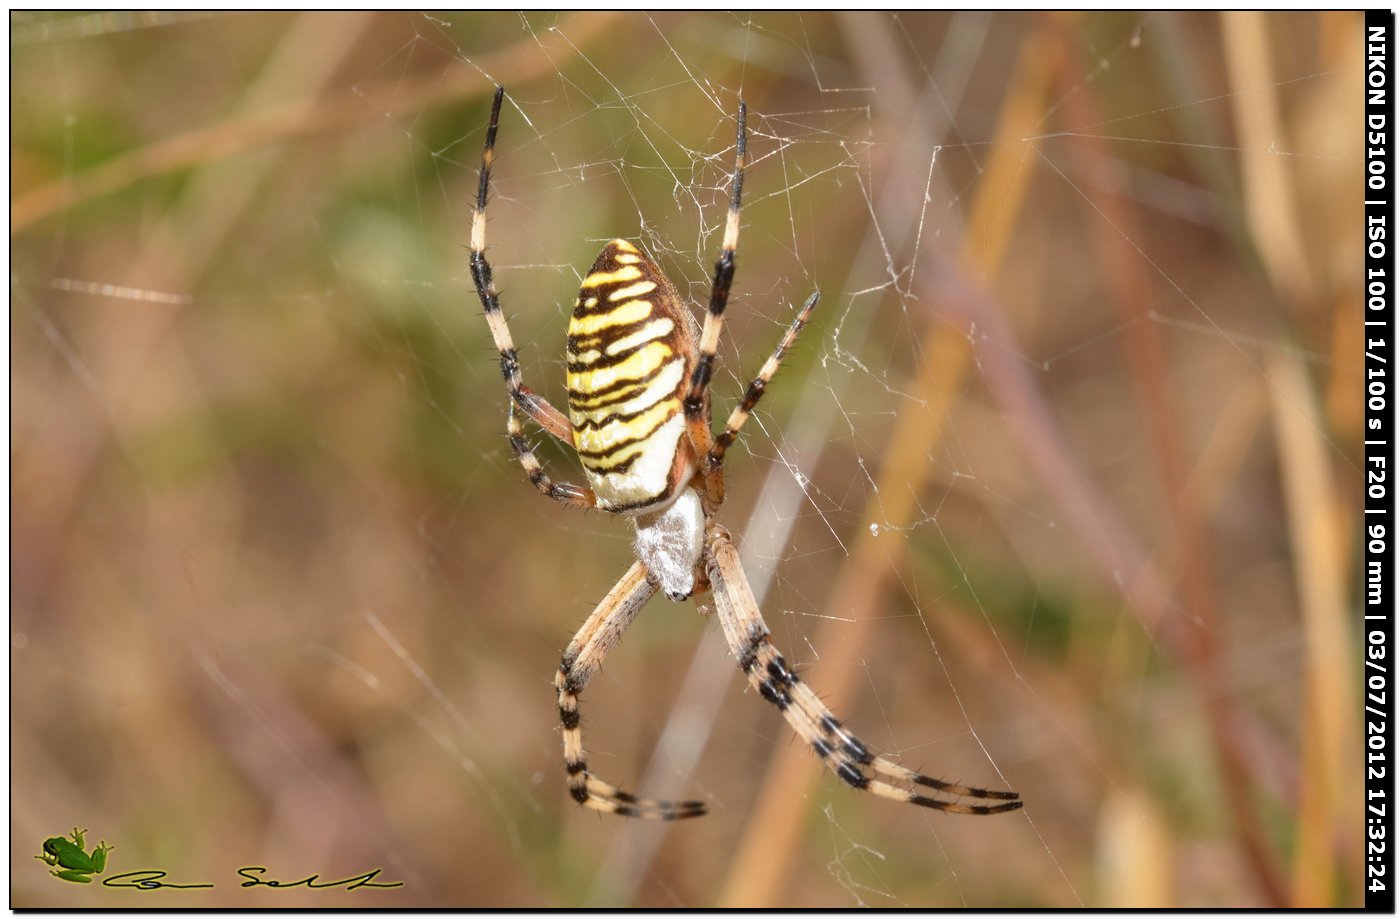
(1026,503)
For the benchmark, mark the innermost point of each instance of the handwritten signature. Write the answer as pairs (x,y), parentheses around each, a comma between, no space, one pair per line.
(253,875)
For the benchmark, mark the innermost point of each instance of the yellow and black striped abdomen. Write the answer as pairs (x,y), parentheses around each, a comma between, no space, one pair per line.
(631,350)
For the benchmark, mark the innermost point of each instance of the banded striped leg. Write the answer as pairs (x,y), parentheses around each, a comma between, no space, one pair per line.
(714,462)
(697,418)
(536,408)
(581,660)
(770,675)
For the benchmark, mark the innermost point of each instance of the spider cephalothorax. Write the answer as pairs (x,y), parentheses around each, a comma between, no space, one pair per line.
(639,369)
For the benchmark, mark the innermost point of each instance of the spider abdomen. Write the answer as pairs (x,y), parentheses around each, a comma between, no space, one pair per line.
(630,353)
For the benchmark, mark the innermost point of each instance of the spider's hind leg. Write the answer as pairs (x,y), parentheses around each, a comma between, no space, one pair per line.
(522,399)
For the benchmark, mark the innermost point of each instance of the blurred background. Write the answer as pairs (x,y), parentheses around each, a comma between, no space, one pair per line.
(1059,492)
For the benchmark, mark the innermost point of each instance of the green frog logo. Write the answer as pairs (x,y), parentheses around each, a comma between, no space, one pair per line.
(72,862)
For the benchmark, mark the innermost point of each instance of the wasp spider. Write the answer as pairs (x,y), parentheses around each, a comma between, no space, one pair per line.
(639,368)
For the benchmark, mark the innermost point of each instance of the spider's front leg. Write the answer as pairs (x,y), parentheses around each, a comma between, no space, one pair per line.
(581,660)
(769,674)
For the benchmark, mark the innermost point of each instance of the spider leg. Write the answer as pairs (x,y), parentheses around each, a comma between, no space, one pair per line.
(839,749)
(581,660)
(715,461)
(697,399)
(535,407)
